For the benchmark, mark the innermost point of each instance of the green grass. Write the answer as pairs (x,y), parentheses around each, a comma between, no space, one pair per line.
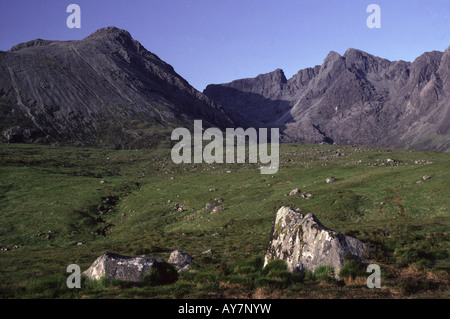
(324,274)
(352,269)
(56,189)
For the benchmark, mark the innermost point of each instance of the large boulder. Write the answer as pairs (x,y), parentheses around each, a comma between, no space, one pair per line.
(304,243)
(113,266)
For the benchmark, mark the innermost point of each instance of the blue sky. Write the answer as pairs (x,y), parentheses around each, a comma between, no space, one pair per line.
(212,41)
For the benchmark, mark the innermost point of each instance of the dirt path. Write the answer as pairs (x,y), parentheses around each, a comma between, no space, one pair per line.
(398,201)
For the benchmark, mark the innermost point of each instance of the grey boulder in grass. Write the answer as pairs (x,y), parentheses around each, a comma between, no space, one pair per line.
(304,243)
(180,260)
(113,266)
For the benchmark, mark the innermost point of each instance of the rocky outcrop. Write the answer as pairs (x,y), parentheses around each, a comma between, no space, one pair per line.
(305,244)
(113,266)
(354,98)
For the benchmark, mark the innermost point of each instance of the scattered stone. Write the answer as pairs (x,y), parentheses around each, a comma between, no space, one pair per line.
(330,180)
(80,243)
(110,200)
(294,192)
(306,195)
(305,244)
(185,268)
(169,201)
(425,177)
(215,234)
(103,181)
(418,162)
(219,200)
(180,260)
(217,209)
(207,252)
(40,234)
(210,206)
(391,162)
(212,189)
(419,182)
(113,266)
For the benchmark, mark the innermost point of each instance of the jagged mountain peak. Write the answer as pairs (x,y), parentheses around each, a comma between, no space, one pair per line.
(355,55)
(109,32)
(353,51)
(332,55)
(277,76)
(114,36)
(429,57)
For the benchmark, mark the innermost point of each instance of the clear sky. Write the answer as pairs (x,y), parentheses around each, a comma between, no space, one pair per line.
(217,41)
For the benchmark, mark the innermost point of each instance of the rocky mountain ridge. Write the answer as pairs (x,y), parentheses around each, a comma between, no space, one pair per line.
(355,98)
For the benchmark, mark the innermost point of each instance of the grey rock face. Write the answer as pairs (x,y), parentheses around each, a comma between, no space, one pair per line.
(114,266)
(305,244)
(286,239)
(356,98)
(82,92)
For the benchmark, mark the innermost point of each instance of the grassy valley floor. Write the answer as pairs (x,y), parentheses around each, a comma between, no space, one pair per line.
(62,206)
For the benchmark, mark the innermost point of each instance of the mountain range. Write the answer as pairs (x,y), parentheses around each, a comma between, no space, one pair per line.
(355,98)
(108,90)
